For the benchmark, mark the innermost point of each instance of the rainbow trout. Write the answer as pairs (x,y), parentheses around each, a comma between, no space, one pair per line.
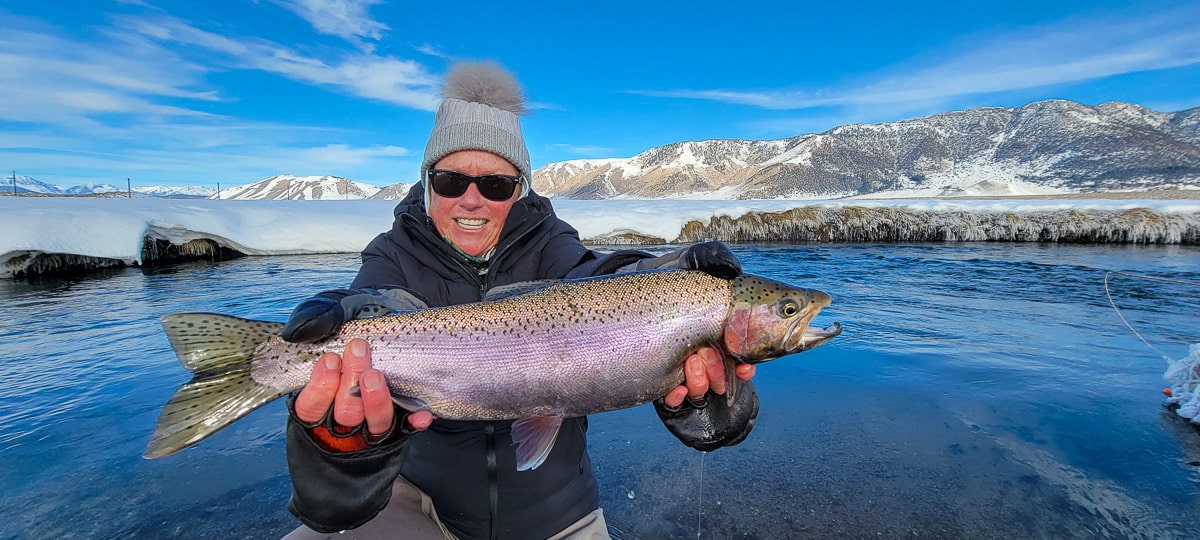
(534,353)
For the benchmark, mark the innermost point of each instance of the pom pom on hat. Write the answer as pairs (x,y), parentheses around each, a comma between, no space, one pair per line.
(484,83)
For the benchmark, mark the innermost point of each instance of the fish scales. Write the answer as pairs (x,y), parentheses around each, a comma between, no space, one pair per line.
(562,351)
(569,348)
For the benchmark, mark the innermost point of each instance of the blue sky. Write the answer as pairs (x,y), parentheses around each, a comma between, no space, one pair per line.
(232,91)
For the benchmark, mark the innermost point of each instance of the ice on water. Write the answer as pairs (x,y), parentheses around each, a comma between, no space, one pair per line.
(1184,377)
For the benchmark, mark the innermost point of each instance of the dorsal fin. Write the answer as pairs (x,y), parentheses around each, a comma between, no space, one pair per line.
(517,289)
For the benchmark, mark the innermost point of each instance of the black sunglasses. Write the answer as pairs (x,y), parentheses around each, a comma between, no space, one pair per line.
(451,184)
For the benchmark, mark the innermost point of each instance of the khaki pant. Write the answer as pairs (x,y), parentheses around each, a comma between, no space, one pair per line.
(410,515)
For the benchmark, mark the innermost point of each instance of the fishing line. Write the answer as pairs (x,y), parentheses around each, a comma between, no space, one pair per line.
(1113,303)
(700,499)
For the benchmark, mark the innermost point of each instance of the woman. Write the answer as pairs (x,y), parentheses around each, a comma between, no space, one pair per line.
(358,462)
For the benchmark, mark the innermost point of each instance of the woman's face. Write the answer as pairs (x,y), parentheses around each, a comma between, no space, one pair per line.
(471,221)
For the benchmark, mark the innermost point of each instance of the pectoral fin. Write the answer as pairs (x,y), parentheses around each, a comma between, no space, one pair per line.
(731,378)
(534,437)
(410,404)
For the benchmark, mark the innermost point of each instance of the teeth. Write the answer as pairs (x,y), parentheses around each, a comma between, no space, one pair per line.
(471,223)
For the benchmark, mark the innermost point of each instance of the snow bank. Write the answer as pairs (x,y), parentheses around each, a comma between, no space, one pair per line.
(115,231)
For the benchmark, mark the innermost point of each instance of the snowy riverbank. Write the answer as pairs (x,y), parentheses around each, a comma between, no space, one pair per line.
(45,234)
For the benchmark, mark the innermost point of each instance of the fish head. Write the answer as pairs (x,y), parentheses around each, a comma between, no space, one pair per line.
(769,319)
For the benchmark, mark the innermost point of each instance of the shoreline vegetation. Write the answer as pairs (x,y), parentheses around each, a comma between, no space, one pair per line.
(846,222)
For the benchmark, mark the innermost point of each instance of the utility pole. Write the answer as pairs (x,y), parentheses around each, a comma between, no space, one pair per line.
(218,191)
(128,188)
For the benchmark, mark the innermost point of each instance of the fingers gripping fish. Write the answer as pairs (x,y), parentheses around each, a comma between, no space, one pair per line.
(545,352)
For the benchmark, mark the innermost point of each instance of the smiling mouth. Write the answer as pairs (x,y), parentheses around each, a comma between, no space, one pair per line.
(472,224)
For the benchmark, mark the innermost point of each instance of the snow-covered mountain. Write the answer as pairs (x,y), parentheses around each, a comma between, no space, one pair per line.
(289,187)
(284,186)
(197,192)
(393,192)
(27,184)
(1052,146)
(91,188)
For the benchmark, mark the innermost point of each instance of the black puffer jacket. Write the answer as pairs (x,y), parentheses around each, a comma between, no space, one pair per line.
(468,468)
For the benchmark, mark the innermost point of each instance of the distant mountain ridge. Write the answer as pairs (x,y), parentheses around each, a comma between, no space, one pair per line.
(278,187)
(1045,147)
(27,184)
(290,187)
(1054,146)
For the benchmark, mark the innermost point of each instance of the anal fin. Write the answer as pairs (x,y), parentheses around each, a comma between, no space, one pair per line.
(534,438)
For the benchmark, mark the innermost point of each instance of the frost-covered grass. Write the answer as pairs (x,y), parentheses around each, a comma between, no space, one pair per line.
(899,224)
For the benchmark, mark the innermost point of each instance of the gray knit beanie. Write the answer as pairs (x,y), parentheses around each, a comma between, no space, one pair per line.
(480,108)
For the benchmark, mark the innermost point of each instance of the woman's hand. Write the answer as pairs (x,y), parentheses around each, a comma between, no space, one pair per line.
(330,385)
(704,370)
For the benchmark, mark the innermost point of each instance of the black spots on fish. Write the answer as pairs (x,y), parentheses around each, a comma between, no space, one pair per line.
(759,290)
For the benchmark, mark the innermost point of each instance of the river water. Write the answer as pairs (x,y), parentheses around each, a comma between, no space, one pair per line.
(979,391)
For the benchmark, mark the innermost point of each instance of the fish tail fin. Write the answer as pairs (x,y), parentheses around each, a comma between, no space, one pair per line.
(218,350)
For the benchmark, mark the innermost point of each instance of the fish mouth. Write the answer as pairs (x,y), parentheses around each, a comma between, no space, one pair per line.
(801,337)
(815,337)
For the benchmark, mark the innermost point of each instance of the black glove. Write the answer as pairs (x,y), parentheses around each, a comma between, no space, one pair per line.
(712,258)
(334,491)
(716,422)
(323,315)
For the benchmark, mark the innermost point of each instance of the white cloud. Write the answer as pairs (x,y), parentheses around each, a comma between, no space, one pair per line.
(1068,52)
(344,154)
(56,80)
(240,162)
(164,28)
(347,19)
(231,151)
(150,67)
(430,50)
(401,82)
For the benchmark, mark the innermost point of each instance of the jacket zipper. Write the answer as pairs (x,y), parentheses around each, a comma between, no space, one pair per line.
(489,428)
(493,481)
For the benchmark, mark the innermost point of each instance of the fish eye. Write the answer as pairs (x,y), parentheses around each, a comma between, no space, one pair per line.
(789,308)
